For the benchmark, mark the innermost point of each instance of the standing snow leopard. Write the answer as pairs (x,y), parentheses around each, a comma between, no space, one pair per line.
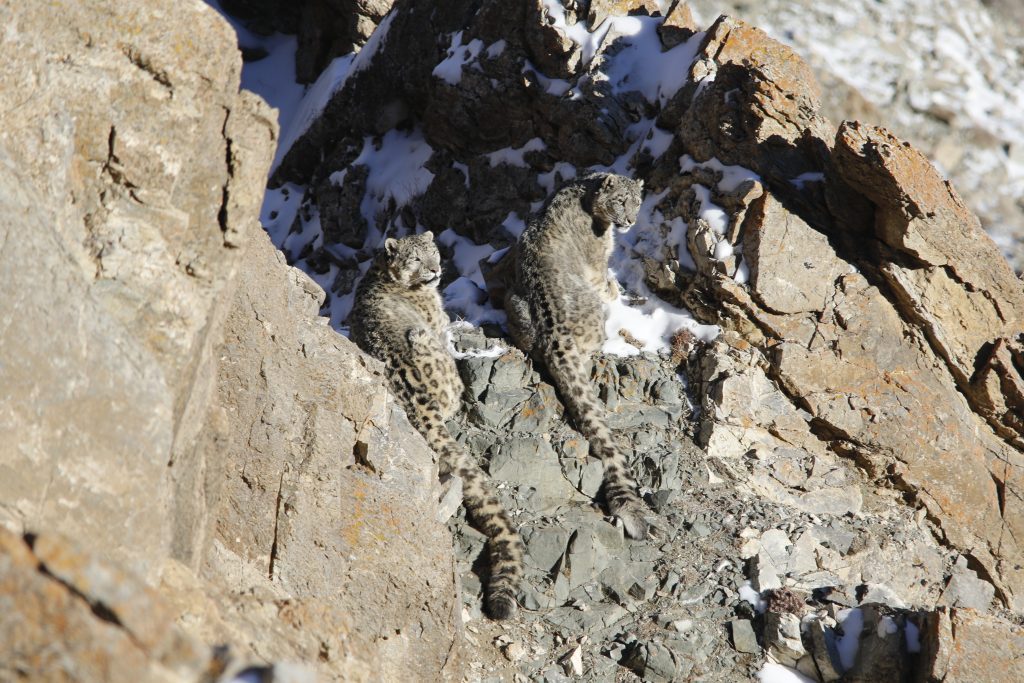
(555,311)
(398,318)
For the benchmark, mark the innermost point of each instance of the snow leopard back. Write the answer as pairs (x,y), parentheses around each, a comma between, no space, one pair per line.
(555,311)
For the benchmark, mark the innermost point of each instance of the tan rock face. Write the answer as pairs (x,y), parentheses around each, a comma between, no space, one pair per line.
(678,25)
(952,277)
(170,398)
(879,304)
(323,533)
(600,10)
(123,172)
(875,384)
(779,278)
(751,101)
(962,645)
(65,615)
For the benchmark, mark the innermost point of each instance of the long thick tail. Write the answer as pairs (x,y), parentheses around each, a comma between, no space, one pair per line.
(504,545)
(565,364)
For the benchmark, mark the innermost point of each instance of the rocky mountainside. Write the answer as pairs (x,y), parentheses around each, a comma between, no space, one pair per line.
(816,368)
(945,75)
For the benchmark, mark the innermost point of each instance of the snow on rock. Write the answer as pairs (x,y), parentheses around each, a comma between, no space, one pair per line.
(396,170)
(732,176)
(653,321)
(514,157)
(466,255)
(514,224)
(561,172)
(552,86)
(310,105)
(748,594)
(852,621)
(776,673)
(641,65)
(449,69)
(466,301)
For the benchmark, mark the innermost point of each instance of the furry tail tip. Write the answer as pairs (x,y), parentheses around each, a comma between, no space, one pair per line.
(501,604)
(632,513)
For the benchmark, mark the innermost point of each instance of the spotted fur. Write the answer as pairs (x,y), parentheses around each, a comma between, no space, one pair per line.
(555,311)
(398,319)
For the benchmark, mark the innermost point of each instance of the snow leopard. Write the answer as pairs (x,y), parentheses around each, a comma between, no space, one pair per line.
(556,314)
(399,319)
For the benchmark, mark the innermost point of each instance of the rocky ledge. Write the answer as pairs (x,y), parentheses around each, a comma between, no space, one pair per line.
(202,477)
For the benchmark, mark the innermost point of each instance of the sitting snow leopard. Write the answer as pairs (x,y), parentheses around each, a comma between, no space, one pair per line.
(555,311)
(398,319)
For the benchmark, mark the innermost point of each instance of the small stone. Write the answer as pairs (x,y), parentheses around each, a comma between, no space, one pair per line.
(782,638)
(824,652)
(681,625)
(966,589)
(615,651)
(880,593)
(514,652)
(572,663)
(451,498)
(678,25)
(743,637)
(670,582)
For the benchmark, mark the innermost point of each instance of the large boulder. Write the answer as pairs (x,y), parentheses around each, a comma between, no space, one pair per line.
(132,174)
(313,506)
(171,400)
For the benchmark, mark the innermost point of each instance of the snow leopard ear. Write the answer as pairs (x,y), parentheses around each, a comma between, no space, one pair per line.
(608,182)
(429,234)
(390,246)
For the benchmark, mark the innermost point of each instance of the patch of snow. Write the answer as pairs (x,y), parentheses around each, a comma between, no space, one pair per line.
(449,69)
(715,216)
(298,117)
(552,86)
(654,321)
(561,172)
(377,40)
(513,224)
(742,275)
(810,177)
(514,157)
(464,169)
(852,621)
(732,176)
(312,104)
(913,636)
(886,627)
(497,255)
(279,209)
(723,250)
(466,255)
(776,673)
(464,299)
(749,595)
(492,351)
(657,141)
(396,172)
(640,65)
(494,50)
